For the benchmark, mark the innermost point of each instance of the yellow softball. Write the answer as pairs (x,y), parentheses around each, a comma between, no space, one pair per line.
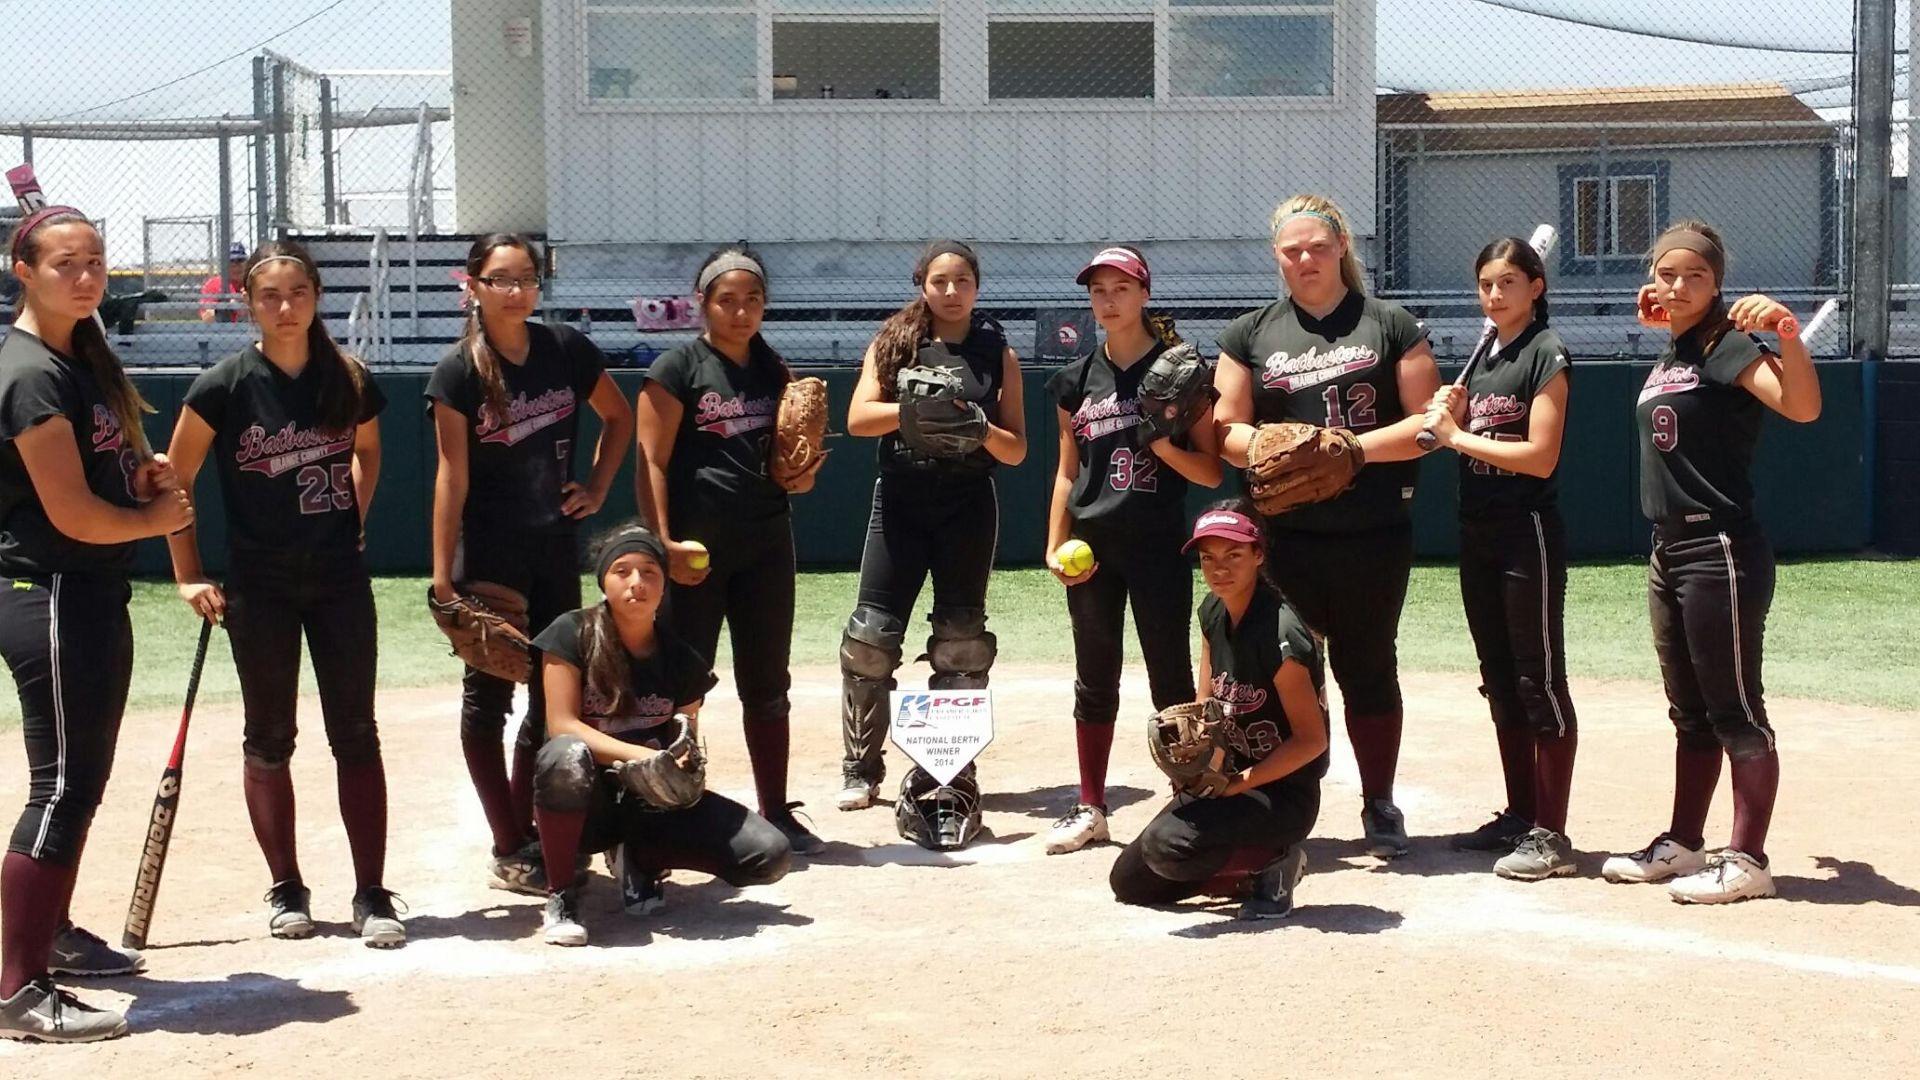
(699,559)
(1075,557)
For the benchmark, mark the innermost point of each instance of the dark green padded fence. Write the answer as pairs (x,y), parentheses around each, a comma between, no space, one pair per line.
(1814,489)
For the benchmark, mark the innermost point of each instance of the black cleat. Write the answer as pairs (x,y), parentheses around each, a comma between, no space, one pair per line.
(1273,886)
(1502,834)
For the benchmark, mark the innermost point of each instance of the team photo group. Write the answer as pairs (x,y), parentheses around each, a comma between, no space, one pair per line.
(1318,406)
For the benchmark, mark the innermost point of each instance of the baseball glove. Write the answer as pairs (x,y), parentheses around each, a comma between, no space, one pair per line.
(1174,393)
(798,446)
(673,778)
(487,625)
(1189,743)
(933,418)
(1292,464)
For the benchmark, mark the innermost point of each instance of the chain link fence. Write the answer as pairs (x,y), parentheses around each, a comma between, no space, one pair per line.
(837,135)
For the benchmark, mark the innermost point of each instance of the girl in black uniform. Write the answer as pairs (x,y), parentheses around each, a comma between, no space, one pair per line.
(706,415)
(291,424)
(506,414)
(1262,665)
(1710,580)
(1330,355)
(76,489)
(932,516)
(1506,425)
(1126,499)
(615,677)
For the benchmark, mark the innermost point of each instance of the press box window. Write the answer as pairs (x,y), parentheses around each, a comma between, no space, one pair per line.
(1237,49)
(1621,224)
(1078,59)
(676,50)
(855,60)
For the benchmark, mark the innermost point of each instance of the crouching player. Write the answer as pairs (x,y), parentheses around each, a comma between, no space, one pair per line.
(1263,668)
(619,685)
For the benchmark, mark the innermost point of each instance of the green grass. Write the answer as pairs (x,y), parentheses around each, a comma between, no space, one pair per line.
(1842,630)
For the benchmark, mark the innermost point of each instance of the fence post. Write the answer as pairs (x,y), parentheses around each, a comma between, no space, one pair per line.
(261,208)
(282,207)
(26,144)
(226,204)
(1873,176)
(326,147)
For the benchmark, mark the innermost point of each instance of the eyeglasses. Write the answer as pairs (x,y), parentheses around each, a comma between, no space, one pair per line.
(510,284)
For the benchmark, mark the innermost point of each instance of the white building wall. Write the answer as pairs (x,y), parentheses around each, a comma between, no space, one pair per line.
(499,150)
(905,170)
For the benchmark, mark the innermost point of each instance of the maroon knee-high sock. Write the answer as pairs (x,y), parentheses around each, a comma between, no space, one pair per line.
(520,788)
(1094,744)
(363,810)
(1695,774)
(269,791)
(1517,751)
(1376,750)
(768,739)
(1756,780)
(560,844)
(33,895)
(1553,779)
(487,765)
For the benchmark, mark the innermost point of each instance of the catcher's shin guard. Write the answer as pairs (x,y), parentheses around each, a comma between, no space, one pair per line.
(870,651)
(960,650)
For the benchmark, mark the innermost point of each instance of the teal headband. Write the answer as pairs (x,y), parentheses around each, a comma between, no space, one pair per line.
(1332,223)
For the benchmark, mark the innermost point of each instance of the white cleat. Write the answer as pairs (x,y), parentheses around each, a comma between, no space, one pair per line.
(560,922)
(1083,825)
(1728,876)
(1664,858)
(857,794)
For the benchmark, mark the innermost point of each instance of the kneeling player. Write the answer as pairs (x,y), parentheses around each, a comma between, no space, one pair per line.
(619,686)
(1263,668)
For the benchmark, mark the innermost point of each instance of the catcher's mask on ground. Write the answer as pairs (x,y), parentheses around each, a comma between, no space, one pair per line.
(938,817)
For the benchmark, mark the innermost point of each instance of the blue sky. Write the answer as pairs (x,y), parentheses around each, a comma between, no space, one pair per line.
(122,48)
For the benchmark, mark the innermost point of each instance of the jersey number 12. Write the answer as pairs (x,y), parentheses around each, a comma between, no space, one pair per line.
(1358,414)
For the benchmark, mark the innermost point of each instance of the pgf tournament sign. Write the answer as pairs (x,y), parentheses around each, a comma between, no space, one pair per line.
(942,731)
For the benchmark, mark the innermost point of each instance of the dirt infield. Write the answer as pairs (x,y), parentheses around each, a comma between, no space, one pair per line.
(880,958)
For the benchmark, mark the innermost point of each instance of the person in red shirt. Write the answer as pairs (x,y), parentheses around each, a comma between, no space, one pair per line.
(220,286)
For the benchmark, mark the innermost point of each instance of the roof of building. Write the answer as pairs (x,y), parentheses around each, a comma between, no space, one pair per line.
(1497,120)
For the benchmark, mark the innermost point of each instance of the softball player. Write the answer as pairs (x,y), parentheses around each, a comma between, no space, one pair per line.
(290,422)
(1127,502)
(505,402)
(614,679)
(76,489)
(1506,424)
(706,415)
(1710,579)
(1330,355)
(931,516)
(1259,661)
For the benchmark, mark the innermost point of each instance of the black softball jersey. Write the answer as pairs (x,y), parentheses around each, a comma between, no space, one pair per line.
(979,360)
(1340,371)
(1698,427)
(36,385)
(287,484)
(674,676)
(1500,393)
(1122,486)
(717,480)
(516,463)
(1244,661)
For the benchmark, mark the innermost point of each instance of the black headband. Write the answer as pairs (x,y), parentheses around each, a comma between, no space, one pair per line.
(945,247)
(625,542)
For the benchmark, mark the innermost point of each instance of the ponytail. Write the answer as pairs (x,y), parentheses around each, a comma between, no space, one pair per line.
(486,360)
(605,666)
(90,345)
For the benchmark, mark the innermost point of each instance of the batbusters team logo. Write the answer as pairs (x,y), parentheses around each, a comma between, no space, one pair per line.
(288,448)
(526,416)
(1068,335)
(1301,371)
(1237,699)
(1489,411)
(107,438)
(1105,416)
(730,416)
(1670,379)
(648,711)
